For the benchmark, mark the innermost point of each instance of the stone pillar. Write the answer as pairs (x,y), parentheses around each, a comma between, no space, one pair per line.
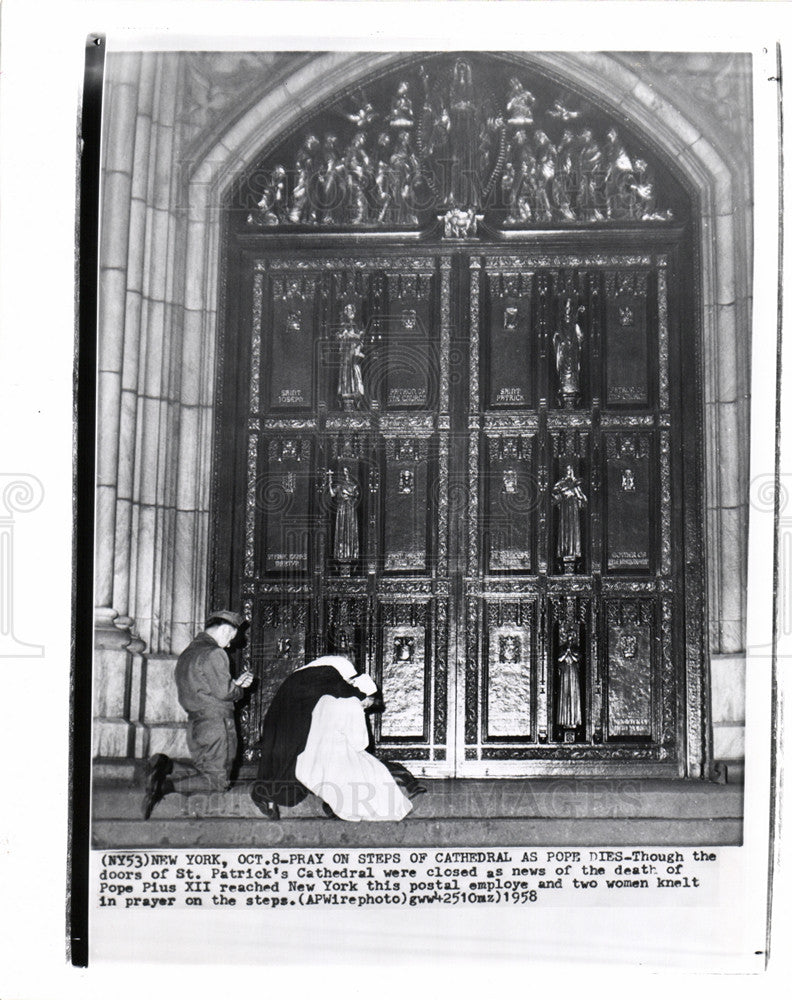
(114,641)
(114,648)
(138,399)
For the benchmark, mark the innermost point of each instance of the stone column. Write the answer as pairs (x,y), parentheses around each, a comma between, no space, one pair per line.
(138,407)
(114,639)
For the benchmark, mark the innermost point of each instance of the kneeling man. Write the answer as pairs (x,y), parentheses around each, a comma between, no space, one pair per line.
(207,693)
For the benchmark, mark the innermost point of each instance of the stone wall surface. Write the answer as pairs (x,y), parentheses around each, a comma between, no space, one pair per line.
(179,128)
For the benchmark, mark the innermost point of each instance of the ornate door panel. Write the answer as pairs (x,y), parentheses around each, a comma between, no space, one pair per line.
(570,585)
(347,473)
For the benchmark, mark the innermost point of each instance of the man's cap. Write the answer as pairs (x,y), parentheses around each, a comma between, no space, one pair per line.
(231,617)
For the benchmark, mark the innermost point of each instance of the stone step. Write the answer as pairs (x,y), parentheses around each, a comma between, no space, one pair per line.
(414,831)
(466,799)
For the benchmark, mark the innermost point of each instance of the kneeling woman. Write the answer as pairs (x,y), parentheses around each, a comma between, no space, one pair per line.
(317,721)
(336,766)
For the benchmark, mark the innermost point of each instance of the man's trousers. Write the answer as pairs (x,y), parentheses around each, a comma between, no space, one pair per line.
(212,743)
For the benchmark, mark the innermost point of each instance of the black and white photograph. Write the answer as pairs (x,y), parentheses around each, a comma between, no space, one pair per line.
(426,492)
(430,369)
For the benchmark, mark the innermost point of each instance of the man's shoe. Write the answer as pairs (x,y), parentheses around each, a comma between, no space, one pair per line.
(415,791)
(159,767)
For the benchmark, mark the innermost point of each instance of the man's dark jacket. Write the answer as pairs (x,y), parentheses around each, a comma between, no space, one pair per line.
(203,681)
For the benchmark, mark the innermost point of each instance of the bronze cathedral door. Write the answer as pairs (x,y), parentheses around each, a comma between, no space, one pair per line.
(459,471)
(461,446)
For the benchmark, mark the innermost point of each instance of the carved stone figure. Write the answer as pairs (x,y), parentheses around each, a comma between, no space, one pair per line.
(346,492)
(459,223)
(570,499)
(403,170)
(350,374)
(567,342)
(304,205)
(509,649)
(544,172)
(590,168)
(509,481)
(331,183)
(403,648)
(517,182)
(401,113)
(359,180)
(382,189)
(568,714)
(619,180)
(464,190)
(464,142)
(519,104)
(561,112)
(361,117)
(272,208)
(644,204)
(564,184)
(405,481)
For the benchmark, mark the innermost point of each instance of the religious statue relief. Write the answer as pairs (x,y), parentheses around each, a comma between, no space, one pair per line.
(359,178)
(346,492)
(409,319)
(405,481)
(401,113)
(403,649)
(272,207)
(568,710)
(570,500)
(519,104)
(567,342)
(459,223)
(350,374)
(387,165)
(303,205)
(628,481)
(510,315)
(509,481)
(509,651)
(626,316)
